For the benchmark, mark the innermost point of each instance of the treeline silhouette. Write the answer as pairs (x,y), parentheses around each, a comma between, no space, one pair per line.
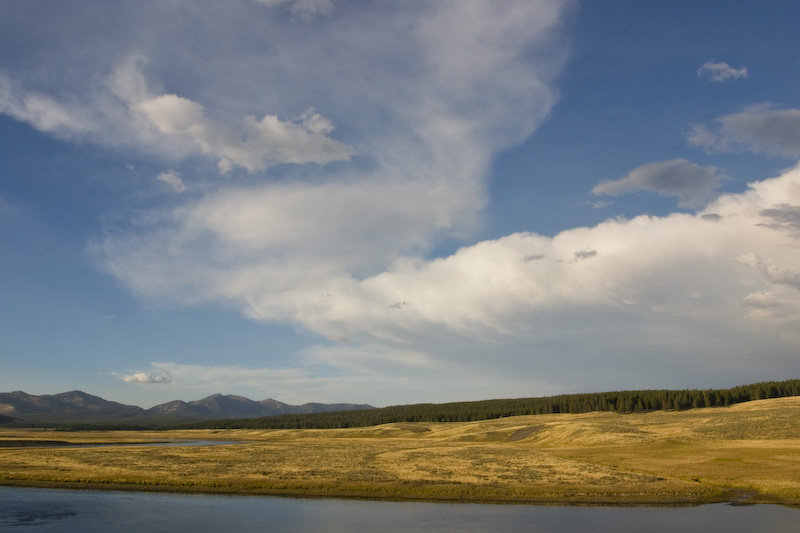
(620,402)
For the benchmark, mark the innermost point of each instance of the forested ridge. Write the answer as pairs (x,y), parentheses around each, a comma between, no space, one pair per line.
(620,402)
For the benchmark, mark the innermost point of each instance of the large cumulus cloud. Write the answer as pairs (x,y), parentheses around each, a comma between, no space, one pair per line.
(625,293)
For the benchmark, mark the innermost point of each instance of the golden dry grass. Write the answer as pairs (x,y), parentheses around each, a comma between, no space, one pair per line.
(696,456)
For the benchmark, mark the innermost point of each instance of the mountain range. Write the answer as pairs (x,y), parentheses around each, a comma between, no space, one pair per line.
(78,406)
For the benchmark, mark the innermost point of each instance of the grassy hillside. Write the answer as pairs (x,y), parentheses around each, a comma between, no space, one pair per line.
(744,451)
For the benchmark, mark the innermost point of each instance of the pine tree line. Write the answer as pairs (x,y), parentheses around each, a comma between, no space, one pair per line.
(620,402)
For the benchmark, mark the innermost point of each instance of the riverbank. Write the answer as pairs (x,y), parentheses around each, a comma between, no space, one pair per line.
(748,451)
(440,494)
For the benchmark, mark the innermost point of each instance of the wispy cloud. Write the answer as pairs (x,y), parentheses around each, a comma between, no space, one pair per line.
(759,129)
(222,375)
(720,72)
(173,179)
(43,111)
(692,184)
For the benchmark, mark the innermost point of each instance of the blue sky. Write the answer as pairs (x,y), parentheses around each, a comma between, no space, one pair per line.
(314,200)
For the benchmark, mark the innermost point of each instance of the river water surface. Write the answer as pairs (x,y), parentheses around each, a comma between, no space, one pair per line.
(44,510)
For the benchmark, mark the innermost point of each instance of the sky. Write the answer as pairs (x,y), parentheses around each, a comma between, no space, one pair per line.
(397,202)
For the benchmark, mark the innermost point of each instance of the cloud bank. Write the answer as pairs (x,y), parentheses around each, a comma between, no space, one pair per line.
(630,291)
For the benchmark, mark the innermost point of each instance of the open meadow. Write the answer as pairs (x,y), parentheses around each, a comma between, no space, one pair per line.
(746,452)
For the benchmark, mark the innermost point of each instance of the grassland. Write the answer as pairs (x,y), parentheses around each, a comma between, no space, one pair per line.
(748,451)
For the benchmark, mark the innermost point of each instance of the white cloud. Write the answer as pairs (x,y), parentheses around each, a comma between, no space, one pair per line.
(720,72)
(42,111)
(253,144)
(123,111)
(692,184)
(144,377)
(173,179)
(760,129)
(279,237)
(98,113)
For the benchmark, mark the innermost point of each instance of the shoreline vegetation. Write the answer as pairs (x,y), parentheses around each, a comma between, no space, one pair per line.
(744,453)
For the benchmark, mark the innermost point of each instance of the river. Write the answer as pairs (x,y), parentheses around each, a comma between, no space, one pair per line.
(48,510)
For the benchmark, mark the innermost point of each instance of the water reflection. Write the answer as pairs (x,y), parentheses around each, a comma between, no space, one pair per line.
(44,510)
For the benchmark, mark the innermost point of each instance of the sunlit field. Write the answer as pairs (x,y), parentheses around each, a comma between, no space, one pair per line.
(745,453)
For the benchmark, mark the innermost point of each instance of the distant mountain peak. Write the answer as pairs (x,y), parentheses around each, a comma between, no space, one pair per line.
(78,406)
